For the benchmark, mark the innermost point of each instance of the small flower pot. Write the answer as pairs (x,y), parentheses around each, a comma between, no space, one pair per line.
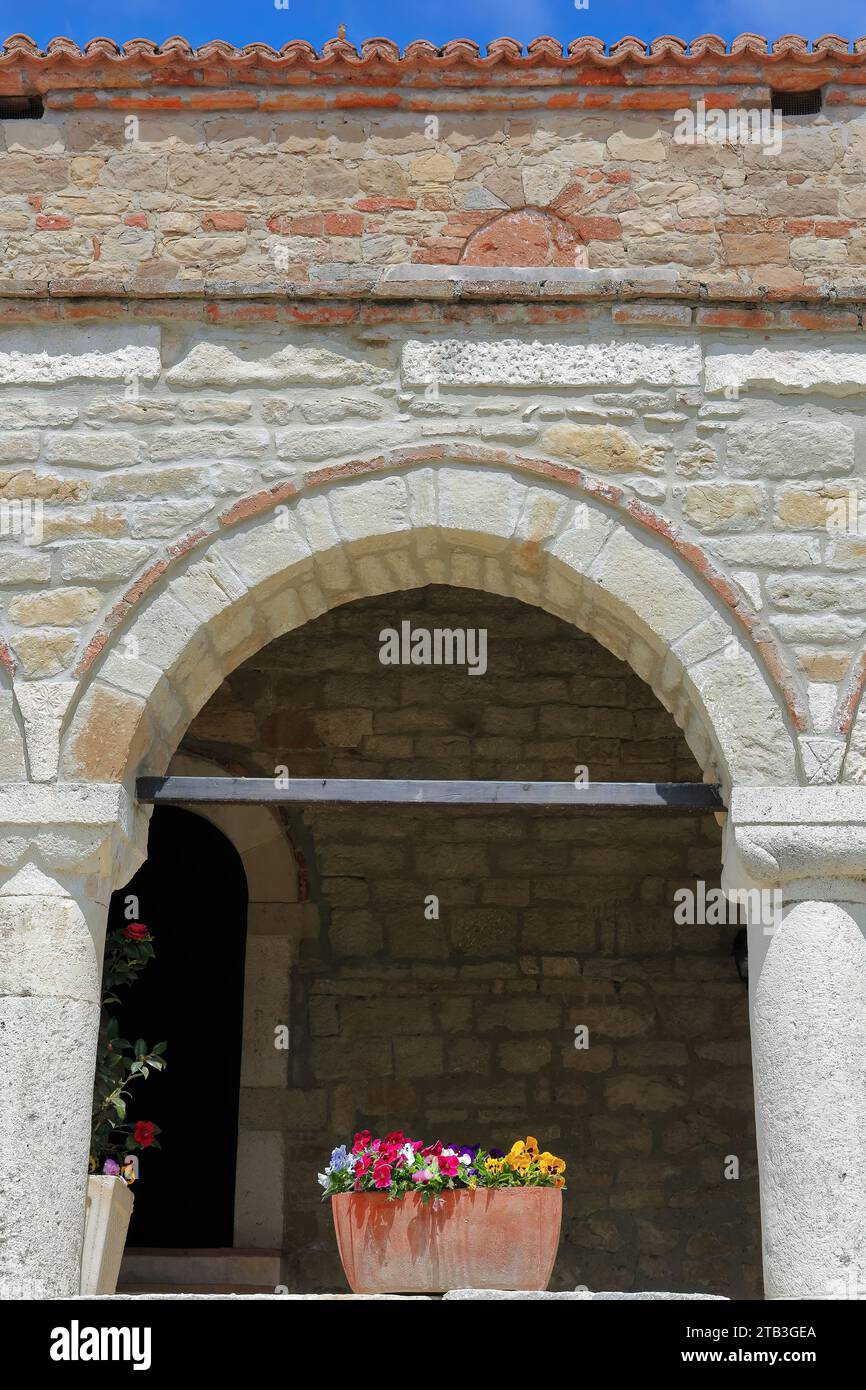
(106,1221)
(489,1238)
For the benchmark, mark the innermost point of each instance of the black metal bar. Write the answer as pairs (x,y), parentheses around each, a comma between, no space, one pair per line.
(335,791)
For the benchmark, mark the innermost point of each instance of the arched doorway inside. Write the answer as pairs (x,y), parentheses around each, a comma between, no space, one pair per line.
(192,894)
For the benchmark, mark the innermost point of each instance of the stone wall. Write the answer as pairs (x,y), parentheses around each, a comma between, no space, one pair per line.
(464,1027)
(739,455)
(137,202)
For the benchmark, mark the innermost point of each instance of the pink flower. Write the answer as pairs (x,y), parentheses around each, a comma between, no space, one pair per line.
(423,1175)
(448,1165)
(382,1175)
(362,1139)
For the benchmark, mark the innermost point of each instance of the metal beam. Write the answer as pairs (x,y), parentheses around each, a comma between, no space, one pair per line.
(693,797)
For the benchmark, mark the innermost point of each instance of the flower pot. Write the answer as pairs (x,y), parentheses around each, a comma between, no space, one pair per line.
(106,1221)
(489,1238)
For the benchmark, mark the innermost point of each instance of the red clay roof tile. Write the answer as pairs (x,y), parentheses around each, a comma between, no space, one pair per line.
(789,62)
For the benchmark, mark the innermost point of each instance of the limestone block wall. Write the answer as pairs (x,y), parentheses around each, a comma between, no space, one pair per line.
(140,192)
(128,451)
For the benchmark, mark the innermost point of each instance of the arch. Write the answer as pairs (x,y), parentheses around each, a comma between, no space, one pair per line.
(525,237)
(633,584)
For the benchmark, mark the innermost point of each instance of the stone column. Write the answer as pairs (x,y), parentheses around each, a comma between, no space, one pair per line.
(62,850)
(804,849)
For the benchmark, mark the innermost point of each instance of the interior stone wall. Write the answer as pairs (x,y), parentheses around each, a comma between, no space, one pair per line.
(463,1027)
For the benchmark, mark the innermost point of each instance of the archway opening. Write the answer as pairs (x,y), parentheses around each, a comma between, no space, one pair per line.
(191,893)
(462,1025)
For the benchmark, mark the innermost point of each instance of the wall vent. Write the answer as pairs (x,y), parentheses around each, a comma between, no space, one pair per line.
(797,103)
(21,109)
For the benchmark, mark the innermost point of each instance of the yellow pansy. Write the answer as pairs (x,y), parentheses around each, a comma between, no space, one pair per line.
(549,1163)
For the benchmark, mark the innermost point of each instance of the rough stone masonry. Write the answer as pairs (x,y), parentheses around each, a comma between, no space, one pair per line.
(279,332)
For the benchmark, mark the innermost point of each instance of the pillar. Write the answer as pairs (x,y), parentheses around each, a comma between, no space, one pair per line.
(804,850)
(62,851)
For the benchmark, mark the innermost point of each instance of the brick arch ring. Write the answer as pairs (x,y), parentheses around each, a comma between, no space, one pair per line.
(601,561)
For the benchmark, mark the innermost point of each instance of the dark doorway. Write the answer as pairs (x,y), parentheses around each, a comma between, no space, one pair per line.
(192,894)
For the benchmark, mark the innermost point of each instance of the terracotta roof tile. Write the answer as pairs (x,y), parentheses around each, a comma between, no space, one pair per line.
(789,62)
(383,49)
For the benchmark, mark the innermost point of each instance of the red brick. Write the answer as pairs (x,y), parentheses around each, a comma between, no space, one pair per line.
(734,318)
(800,226)
(597,228)
(224,222)
(53,224)
(825,321)
(343,224)
(310,225)
(833,229)
(385,204)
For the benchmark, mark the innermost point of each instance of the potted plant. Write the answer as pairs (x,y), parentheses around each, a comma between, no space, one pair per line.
(115,1138)
(412,1218)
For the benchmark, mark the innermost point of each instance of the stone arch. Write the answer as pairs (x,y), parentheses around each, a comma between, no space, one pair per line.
(527,237)
(484,528)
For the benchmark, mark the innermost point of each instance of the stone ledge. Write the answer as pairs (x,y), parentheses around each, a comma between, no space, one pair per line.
(580,1296)
(434,282)
(453,1295)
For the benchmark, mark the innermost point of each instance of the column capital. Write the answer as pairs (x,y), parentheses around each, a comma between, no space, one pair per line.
(809,841)
(81,830)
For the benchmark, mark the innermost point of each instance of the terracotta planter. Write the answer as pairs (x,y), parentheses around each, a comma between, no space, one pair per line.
(106,1221)
(486,1239)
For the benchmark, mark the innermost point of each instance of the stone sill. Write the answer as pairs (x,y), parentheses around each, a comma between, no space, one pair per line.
(453,1295)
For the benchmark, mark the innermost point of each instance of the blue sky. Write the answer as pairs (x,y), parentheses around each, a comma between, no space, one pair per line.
(403,20)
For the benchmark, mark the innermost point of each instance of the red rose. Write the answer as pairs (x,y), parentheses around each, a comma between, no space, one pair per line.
(136,931)
(143,1133)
